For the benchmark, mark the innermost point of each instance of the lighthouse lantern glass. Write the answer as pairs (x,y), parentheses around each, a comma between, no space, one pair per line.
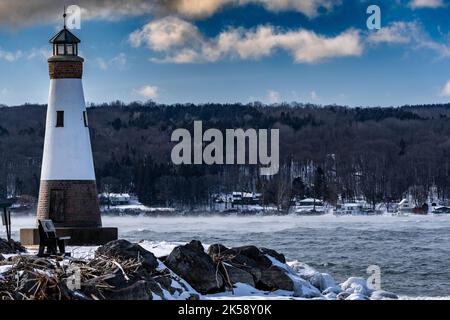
(59,49)
(70,49)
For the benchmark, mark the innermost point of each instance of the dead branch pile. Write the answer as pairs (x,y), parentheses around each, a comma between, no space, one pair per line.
(31,278)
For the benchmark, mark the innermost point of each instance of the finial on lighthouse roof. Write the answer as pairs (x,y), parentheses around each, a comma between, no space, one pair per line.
(65,62)
(65,37)
(64,16)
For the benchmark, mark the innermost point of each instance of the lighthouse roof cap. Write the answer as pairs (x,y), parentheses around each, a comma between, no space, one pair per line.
(64,36)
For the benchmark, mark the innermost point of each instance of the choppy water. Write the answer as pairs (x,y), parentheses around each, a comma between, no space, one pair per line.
(412,252)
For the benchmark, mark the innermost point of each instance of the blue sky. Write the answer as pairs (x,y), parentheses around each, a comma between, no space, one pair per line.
(271,51)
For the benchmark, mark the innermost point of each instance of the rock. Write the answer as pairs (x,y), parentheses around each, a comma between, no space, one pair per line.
(237,275)
(247,258)
(2,257)
(139,290)
(331,296)
(303,288)
(267,268)
(280,257)
(253,253)
(382,295)
(335,290)
(192,264)
(11,247)
(356,285)
(275,278)
(357,296)
(343,295)
(322,281)
(217,250)
(127,250)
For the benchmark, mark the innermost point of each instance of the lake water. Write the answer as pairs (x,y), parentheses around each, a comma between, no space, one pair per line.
(413,252)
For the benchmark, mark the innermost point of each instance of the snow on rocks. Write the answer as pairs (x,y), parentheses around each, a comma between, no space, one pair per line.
(383,295)
(178,271)
(357,285)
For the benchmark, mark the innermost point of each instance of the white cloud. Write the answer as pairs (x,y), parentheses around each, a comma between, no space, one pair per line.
(101,63)
(313,95)
(415,4)
(4,92)
(196,8)
(148,91)
(164,34)
(118,61)
(446,89)
(273,96)
(10,56)
(14,13)
(39,53)
(441,48)
(396,32)
(409,33)
(180,41)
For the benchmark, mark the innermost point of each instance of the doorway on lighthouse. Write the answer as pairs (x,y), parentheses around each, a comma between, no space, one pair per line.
(56,210)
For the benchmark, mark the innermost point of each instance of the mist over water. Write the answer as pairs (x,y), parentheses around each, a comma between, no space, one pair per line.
(413,252)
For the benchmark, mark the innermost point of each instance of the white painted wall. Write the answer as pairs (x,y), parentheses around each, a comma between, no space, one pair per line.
(67,150)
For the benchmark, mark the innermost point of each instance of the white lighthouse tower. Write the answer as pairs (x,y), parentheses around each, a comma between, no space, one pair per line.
(68,192)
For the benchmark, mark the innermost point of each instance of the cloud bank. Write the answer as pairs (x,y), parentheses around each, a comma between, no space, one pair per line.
(16,13)
(179,41)
(409,33)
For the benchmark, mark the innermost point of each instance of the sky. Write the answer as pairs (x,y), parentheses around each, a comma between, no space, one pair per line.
(272,51)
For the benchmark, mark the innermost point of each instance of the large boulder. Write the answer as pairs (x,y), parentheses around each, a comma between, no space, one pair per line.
(279,256)
(283,278)
(192,264)
(237,275)
(276,278)
(138,290)
(267,267)
(127,250)
(250,259)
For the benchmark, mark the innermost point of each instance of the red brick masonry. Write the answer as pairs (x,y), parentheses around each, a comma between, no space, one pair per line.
(75,203)
(65,70)
(65,67)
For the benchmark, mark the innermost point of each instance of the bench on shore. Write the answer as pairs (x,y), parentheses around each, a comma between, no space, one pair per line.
(49,240)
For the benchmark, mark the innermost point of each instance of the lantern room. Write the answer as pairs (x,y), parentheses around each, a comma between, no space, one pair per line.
(65,43)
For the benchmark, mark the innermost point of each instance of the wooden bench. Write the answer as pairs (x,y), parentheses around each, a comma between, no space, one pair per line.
(49,240)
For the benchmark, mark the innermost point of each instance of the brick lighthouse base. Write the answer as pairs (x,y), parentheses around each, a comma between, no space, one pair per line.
(73,207)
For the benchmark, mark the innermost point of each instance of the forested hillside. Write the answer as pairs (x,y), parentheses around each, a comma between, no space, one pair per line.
(331,151)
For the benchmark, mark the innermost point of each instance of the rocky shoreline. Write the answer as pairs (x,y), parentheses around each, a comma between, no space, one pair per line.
(121,270)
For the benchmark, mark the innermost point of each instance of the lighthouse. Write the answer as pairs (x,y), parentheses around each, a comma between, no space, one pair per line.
(68,191)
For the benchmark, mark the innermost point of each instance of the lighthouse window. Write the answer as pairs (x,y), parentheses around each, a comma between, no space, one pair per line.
(60,49)
(85,118)
(59,118)
(70,49)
